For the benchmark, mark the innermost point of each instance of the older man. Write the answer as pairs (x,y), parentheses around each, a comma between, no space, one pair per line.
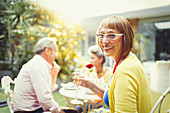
(32,92)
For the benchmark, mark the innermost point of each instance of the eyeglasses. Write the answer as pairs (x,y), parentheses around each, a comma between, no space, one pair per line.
(110,36)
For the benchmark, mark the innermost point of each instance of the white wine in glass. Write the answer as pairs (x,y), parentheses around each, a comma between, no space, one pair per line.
(78,73)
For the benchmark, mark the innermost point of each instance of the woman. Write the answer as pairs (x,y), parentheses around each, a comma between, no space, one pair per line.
(128,89)
(98,59)
(102,73)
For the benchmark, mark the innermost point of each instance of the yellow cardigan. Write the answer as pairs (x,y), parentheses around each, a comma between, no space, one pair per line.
(129,89)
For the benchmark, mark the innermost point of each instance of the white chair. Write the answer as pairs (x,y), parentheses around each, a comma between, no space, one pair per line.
(5,82)
(160,76)
(159,101)
(160,81)
(148,66)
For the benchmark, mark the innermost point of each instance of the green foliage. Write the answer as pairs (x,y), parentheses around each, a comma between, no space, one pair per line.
(140,39)
(68,36)
(16,15)
(27,22)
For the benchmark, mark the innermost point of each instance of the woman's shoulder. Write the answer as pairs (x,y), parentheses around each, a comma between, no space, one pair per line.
(130,66)
(130,62)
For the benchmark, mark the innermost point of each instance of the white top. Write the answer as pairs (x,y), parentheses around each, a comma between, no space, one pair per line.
(33,86)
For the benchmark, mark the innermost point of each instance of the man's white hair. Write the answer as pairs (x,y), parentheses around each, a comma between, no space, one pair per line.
(44,42)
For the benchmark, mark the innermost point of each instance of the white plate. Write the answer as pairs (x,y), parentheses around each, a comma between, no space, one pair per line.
(88,91)
(69,85)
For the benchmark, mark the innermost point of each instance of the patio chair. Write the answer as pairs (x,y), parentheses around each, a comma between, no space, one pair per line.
(5,82)
(159,101)
(160,76)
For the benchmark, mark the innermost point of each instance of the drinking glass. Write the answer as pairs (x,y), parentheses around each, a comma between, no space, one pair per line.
(79,74)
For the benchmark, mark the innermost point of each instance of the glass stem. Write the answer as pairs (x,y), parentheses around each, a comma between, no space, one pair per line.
(76,91)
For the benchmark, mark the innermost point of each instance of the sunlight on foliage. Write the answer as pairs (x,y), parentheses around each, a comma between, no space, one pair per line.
(25,23)
(138,44)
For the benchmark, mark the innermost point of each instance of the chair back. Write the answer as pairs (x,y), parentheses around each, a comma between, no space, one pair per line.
(5,82)
(160,100)
(160,76)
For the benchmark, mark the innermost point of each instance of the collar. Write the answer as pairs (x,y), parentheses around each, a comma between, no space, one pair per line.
(43,60)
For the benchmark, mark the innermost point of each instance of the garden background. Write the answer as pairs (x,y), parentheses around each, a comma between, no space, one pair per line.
(22,23)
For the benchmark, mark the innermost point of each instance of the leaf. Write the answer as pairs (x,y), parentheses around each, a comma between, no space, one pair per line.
(2,36)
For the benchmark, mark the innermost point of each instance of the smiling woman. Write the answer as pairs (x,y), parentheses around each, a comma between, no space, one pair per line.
(128,89)
(128,74)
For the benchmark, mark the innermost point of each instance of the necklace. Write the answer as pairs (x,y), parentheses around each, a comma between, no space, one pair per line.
(115,68)
(116,65)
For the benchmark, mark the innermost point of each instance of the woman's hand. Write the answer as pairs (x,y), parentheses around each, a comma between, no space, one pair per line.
(83,81)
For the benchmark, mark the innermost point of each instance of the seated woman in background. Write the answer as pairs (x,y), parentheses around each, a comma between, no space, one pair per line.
(102,73)
(98,59)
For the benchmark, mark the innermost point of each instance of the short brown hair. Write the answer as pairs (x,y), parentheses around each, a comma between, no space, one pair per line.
(122,25)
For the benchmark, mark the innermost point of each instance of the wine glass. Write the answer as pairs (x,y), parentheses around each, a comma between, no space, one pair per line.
(78,74)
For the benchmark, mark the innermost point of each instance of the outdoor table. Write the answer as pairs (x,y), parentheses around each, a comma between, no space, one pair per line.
(86,98)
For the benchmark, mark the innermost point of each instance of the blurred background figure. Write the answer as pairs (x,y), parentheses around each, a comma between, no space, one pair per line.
(98,59)
(101,75)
